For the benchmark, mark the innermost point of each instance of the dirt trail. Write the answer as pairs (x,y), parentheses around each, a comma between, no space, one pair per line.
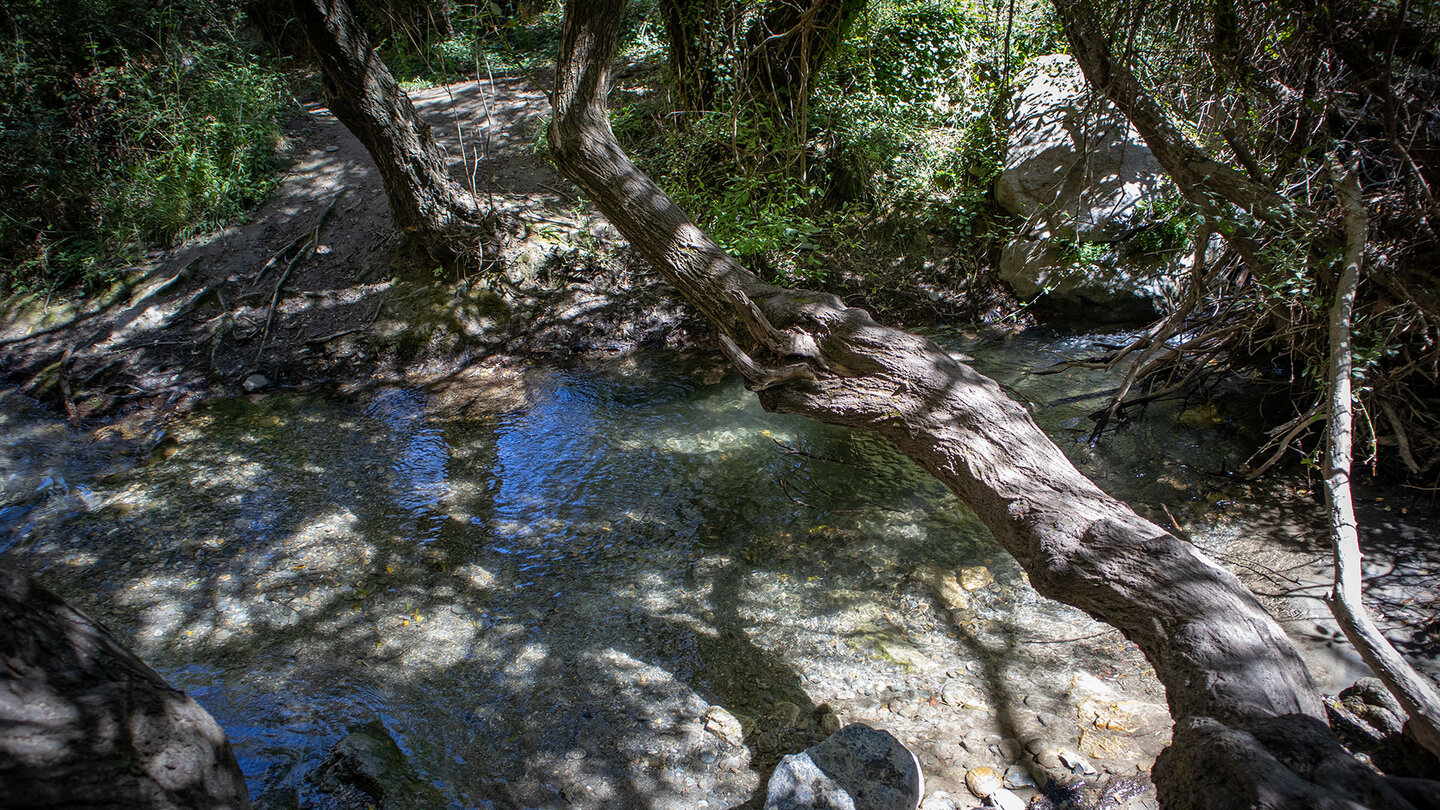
(218,314)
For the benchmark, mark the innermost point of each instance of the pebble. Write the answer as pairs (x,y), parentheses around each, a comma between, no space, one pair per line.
(787,713)
(939,800)
(255,382)
(724,725)
(959,693)
(1017,777)
(975,577)
(1005,800)
(1076,763)
(983,781)
(768,742)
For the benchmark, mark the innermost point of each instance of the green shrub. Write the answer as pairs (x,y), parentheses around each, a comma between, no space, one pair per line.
(900,132)
(126,124)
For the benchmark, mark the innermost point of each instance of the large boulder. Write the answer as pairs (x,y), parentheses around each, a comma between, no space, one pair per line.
(86,724)
(1081,177)
(1104,286)
(856,768)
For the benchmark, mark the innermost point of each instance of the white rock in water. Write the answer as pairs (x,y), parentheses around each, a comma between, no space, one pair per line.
(1005,800)
(856,767)
(724,725)
(255,382)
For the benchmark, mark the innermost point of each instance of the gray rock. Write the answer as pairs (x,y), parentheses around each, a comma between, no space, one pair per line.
(1073,164)
(366,768)
(1107,289)
(255,382)
(1017,778)
(85,723)
(1079,174)
(856,768)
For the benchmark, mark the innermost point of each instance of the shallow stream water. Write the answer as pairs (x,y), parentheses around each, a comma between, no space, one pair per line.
(572,596)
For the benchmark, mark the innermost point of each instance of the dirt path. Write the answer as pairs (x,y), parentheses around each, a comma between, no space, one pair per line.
(260,306)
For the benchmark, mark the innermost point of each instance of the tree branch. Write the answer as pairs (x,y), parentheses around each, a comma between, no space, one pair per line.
(1414,692)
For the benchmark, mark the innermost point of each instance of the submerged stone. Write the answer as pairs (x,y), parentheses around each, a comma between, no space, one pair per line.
(366,768)
(983,781)
(975,577)
(856,768)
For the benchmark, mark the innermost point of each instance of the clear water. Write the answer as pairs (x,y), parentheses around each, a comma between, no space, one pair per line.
(541,602)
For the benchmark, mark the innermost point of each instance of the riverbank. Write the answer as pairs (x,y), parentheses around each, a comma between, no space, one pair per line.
(316,289)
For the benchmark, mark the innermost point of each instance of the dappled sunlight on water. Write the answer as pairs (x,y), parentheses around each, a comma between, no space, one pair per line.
(549,601)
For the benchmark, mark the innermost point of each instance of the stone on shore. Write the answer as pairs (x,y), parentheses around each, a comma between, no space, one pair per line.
(84,723)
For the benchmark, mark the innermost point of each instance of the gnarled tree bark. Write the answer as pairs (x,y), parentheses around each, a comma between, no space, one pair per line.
(426,204)
(1227,666)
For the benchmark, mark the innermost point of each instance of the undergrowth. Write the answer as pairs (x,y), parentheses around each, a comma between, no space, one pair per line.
(899,142)
(126,124)
(513,36)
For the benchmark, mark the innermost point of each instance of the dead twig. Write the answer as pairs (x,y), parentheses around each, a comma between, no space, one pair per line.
(1291,429)
(312,240)
(63,378)
(785,488)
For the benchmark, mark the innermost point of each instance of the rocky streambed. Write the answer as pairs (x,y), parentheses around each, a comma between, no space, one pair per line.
(622,584)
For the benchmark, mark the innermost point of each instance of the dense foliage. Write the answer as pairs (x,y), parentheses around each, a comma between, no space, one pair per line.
(896,139)
(1289,97)
(125,123)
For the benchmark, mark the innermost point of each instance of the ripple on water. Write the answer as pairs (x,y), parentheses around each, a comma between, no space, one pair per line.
(546,602)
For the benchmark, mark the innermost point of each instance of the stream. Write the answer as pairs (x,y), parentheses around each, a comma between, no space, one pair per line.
(623,584)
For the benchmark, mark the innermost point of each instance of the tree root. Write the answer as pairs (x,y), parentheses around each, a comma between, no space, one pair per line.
(1290,762)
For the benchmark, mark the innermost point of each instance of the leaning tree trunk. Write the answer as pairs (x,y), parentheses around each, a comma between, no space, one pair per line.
(426,204)
(1414,691)
(1208,184)
(1235,684)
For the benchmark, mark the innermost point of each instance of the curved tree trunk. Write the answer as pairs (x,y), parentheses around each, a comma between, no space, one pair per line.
(426,204)
(1229,671)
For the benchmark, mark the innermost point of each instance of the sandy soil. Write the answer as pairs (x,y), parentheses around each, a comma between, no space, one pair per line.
(204,318)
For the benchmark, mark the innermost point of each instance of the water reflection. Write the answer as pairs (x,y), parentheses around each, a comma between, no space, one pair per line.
(418,482)
(547,603)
